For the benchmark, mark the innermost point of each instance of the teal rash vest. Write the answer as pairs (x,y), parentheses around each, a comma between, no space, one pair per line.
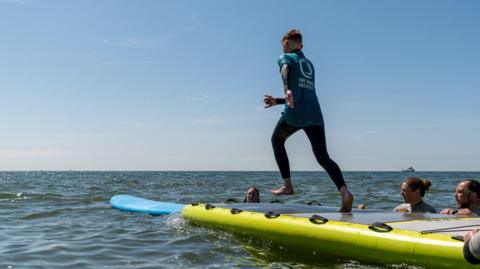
(306,109)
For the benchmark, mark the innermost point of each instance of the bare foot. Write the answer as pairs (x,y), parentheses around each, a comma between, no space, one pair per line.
(284,190)
(347,200)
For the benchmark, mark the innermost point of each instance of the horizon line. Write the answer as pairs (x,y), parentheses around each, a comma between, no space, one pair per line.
(293,171)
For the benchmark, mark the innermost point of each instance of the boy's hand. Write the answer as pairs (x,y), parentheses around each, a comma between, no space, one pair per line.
(269,101)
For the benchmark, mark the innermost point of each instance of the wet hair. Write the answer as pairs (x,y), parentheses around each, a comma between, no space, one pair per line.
(473,186)
(415,183)
(254,189)
(293,35)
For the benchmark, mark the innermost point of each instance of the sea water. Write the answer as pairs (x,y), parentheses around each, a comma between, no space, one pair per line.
(64,220)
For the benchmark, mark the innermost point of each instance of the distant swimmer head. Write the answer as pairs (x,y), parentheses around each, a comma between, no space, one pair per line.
(414,188)
(361,206)
(292,40)
(252,196)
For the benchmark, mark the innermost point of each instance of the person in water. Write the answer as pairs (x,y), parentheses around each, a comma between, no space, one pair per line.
(252,195)
(302,111)
(413,190)
(467,197)
(471,247)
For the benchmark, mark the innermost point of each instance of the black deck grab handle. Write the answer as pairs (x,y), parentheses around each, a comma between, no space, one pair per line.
(314,203)
(458,237)
(271,215)
(235,211)
(316,219)
(209,206)
(276,202)
(231,201)
(380,227)
(194,203)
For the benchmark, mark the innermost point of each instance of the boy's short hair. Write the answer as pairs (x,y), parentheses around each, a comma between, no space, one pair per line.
(293,35)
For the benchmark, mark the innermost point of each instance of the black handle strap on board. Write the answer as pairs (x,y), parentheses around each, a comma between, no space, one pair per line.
(314,203)
(209,206)
(235,211)
(231,201)
(316,219)
(380,227)
(194,204)
(458,237)
(271,215)
(276,202)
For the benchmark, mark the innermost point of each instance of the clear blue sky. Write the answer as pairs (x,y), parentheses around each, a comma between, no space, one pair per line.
(178,85)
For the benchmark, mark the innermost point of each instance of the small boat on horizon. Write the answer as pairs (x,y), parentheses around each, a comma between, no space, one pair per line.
(408,169)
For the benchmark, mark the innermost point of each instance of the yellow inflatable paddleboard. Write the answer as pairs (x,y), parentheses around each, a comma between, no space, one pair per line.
(431,240)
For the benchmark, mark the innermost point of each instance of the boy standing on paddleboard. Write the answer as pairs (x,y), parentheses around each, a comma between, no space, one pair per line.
(302,111)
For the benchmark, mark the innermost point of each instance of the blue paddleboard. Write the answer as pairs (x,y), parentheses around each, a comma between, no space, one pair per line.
(137,204)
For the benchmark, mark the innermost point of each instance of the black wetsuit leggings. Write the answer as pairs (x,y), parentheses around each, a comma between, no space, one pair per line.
(316,135)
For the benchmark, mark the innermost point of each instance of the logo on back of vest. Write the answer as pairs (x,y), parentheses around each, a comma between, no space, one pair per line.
(306,68)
